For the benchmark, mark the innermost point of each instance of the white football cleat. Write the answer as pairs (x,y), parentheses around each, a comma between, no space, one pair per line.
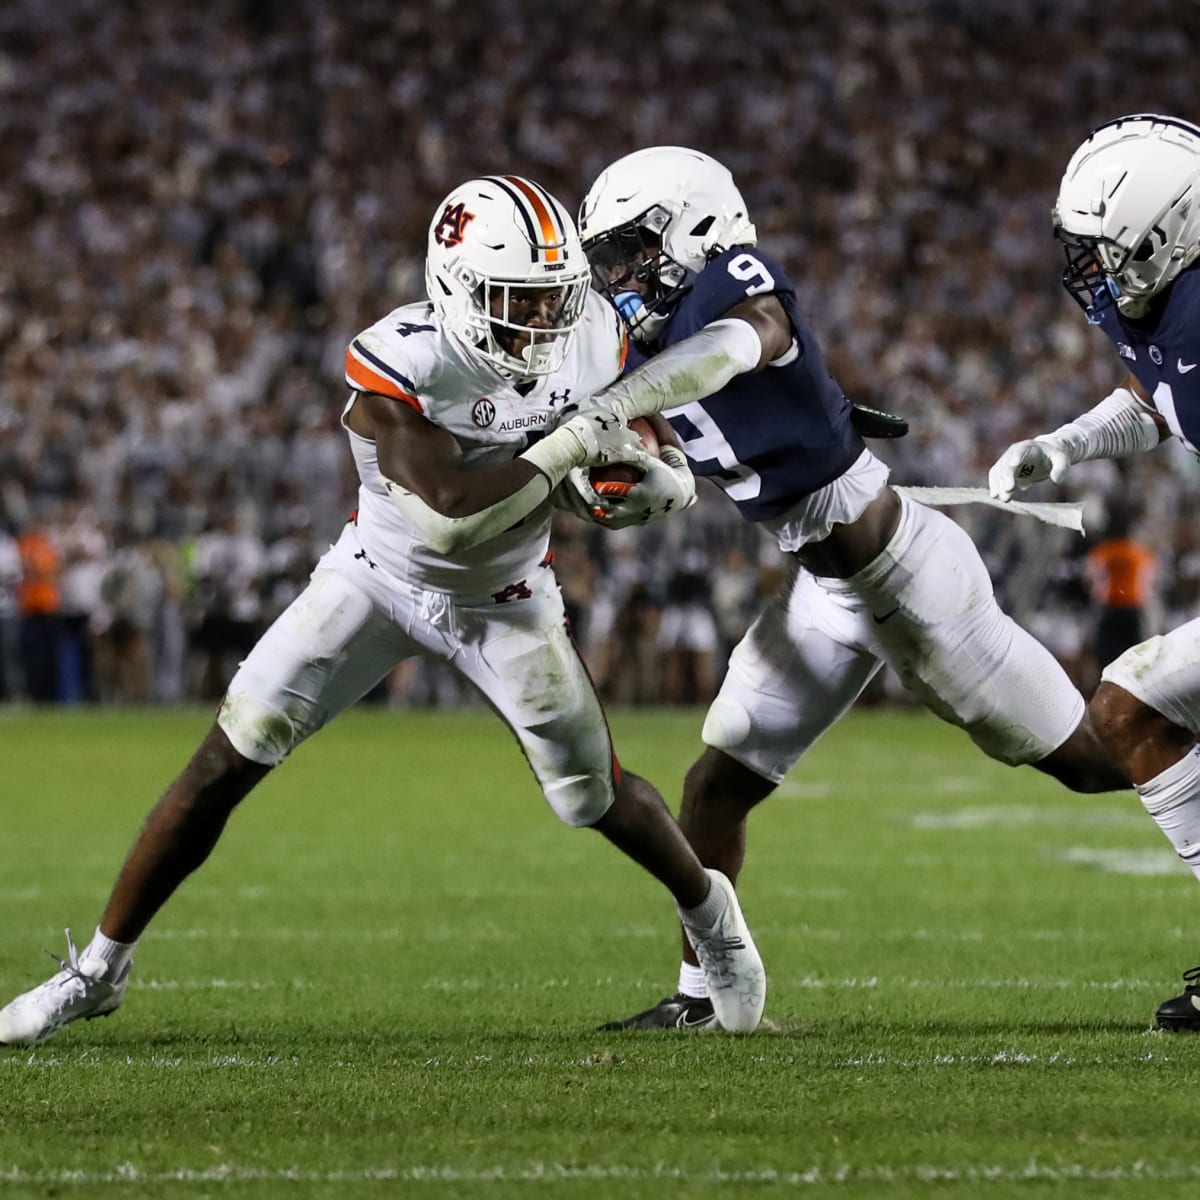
(77,992)
(737,982)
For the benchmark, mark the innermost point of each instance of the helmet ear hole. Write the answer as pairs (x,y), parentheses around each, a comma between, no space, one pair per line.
(703,226)
(1145,252)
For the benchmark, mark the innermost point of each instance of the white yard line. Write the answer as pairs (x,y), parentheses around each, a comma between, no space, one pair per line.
(1017,983)
(539,1172)
(1125,861)
(1019,816)
(815,982)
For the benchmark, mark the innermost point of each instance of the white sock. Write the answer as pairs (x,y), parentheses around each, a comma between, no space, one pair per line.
(692,981)
(114,954)
(704,916)
(1172,798)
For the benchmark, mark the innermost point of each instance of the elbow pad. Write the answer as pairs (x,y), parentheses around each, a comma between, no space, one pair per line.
(690,370)
(451,535)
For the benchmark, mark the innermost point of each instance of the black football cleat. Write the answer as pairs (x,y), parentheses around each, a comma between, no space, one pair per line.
(1181,1014)
(675,1012)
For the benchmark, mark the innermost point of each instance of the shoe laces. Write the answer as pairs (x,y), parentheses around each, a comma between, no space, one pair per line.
(715,954)
(70,971)
(1192,979)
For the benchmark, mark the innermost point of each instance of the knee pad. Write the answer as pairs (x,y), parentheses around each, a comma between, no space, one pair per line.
(1163,672)
(727,724)
(580,800)
(257,730)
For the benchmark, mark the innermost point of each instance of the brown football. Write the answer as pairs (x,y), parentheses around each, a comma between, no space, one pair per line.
(615,481)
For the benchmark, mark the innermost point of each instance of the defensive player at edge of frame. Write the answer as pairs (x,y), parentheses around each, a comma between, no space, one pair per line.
(722,350)
(453,421)
(1128,218)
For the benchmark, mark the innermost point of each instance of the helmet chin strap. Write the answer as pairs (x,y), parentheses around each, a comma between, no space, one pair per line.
(536,357)
(1133,306)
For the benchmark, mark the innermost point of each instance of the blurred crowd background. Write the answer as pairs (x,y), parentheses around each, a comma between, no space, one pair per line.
(201,204)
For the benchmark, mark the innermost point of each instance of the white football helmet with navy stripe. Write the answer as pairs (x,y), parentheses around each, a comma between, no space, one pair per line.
(1128,211)
(498,246)
(658,215)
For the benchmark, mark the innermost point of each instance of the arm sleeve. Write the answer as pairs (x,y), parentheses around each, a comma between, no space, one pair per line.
(451,535)
(690,370)
(553,456)
(1118,426)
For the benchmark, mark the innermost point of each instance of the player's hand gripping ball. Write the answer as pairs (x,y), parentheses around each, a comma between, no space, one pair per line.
(614,481)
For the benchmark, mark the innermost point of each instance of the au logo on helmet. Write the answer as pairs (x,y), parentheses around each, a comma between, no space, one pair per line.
(455,218)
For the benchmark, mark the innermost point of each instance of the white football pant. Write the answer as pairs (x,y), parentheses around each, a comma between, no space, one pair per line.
(1164,672)
(924,606)
(354,623)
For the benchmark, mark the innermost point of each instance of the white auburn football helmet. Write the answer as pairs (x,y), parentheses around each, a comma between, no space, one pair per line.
(1128,211)
(657,216)
(490,240)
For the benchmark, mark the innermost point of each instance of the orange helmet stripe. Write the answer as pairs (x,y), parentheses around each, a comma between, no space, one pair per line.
(552,233)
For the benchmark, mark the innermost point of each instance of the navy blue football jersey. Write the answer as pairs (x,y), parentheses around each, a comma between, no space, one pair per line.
(771,437)
(1163,353)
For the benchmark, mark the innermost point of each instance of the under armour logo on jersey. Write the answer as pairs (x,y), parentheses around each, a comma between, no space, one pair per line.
(483,412)
(455,218)
(565,398)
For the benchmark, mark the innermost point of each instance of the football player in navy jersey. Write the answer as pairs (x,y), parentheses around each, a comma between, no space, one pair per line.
(1128,216)
(724,353)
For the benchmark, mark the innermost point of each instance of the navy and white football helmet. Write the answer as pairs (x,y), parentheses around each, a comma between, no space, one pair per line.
(491,240)
(653,219)
(1128,211)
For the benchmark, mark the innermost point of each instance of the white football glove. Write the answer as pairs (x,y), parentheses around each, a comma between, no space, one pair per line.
(605,438)
(1025,463)
(667,486)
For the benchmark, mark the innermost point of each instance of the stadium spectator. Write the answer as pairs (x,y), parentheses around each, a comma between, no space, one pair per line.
(84,547)
(195,216)
(1123,574)
(688,642)
(12,675)
(228,567)
(40,607)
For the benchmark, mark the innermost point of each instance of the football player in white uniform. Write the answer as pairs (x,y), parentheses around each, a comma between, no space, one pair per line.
(454,426)
(1128,217)
(732,363)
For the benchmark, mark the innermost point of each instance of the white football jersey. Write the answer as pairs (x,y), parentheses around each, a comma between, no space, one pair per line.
(409,357)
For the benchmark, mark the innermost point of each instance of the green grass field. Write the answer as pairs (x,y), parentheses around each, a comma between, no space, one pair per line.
(386,979)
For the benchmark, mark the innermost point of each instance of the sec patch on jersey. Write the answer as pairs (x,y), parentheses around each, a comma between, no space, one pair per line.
(615,481)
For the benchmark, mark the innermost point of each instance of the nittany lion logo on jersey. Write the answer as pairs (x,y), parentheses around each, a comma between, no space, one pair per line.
(455,218)
(483,412)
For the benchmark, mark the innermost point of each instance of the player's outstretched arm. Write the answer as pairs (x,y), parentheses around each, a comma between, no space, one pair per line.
(454,506)
(1123,423)
(746,338)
